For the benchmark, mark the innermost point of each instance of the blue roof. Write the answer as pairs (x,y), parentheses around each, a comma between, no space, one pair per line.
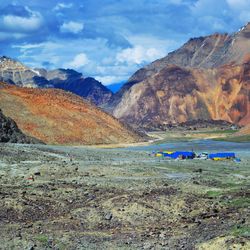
(176,154)
(221,155)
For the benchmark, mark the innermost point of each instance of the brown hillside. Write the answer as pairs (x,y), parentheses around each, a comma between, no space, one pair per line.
(178,94)
(58,117)
(208,78)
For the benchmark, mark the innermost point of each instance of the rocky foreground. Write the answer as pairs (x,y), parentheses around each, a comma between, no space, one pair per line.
(86,198)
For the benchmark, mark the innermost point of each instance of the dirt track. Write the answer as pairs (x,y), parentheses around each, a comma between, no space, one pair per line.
(86,198)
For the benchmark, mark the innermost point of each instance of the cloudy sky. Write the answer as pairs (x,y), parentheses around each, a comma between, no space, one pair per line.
(109,39)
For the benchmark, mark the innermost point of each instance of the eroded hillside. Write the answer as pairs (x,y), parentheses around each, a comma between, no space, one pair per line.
(58,117)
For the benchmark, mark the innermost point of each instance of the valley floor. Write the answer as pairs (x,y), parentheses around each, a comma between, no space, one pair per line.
(55,197)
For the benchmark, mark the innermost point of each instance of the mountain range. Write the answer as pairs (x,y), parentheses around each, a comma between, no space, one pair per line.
(208,78)
(14,72)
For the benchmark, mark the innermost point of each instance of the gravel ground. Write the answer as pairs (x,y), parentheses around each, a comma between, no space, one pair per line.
(55,197)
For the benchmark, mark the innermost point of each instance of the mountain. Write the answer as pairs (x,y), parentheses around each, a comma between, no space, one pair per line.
(58,117)
(9,132)
(14,72)
(206,79)
(73,81)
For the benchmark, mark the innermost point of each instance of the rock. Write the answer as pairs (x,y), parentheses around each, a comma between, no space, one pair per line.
(215,210)
(147,246)
(108,216)
(198,170)
(196,182)
(31,247)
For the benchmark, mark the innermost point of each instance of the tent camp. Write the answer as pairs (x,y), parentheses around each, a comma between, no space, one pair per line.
(191,155)
(180,155)
(221,156)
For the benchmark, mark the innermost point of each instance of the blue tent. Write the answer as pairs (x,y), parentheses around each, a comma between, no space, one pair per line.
(180,154)
(221,156)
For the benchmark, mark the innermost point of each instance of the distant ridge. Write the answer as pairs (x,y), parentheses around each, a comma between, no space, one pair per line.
(14,72)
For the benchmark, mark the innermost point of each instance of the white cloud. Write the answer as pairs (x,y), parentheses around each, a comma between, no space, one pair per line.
(47,51)
(107,80)
(60,6)
(88,60)
(72,27)
(23,24)
(138,55)
(145,49)
(78,62)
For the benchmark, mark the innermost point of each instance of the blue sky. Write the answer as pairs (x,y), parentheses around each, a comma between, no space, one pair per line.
(109,39)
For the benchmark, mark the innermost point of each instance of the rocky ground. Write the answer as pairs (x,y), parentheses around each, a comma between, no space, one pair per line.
(88,198)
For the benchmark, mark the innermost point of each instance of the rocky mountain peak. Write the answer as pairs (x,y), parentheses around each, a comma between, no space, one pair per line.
(246,27)
(7,63)
(63,74)
(16,73)
(245,32)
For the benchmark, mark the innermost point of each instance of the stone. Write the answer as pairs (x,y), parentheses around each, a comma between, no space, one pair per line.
(108,216)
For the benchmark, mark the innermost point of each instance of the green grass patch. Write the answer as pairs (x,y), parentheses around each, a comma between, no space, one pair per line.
(241,230)
(213,194)
(241,202)
(42,238)
(232,185)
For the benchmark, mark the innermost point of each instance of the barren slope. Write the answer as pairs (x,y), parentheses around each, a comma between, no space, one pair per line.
(58,117)
(178,94)
(207,78)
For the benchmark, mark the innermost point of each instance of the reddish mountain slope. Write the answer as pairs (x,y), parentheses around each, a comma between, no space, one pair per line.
(207,78)
(176,95)
(58,117)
